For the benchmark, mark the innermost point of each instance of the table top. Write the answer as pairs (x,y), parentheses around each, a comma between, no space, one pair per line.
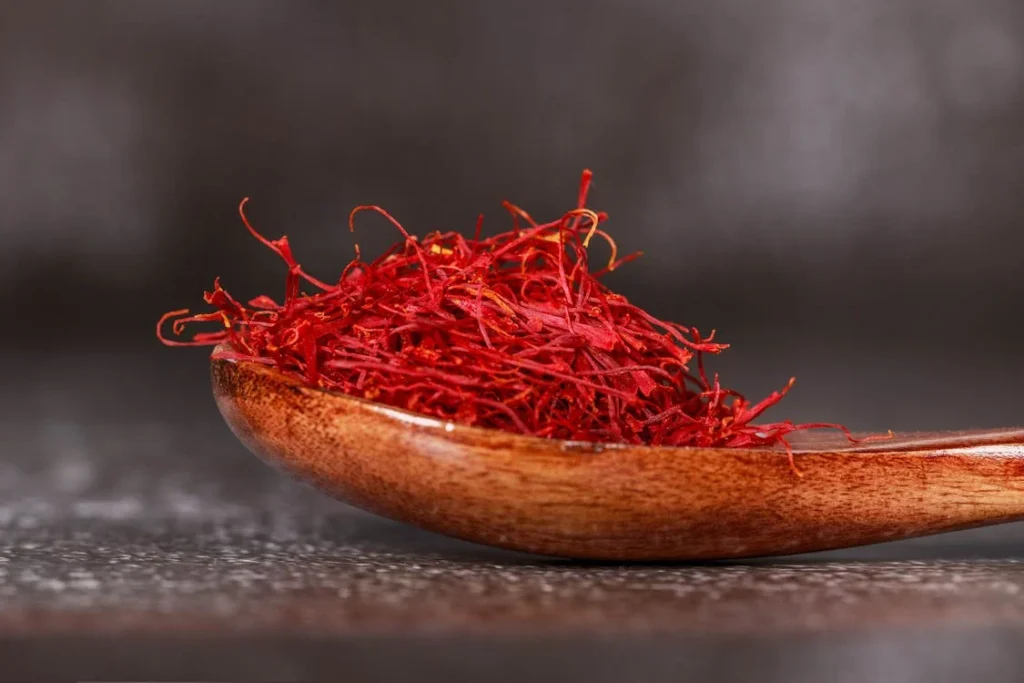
(138,539)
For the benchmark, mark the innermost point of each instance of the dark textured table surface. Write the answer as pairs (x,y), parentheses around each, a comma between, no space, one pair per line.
(139,540)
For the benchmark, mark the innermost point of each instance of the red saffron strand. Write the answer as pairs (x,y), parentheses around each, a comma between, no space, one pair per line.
(509,332)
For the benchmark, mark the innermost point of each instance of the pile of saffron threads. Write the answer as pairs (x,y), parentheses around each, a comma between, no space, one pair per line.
(511,332)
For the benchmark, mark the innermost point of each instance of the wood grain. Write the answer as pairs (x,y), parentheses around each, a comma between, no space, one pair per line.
(621,502)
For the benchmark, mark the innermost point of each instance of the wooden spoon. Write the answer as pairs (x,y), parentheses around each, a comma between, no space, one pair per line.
(614,502)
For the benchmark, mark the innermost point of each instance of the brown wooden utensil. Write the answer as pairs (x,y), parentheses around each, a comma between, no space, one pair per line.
(614,502)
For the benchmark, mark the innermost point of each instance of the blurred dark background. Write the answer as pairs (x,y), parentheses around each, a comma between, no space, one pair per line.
(834,186)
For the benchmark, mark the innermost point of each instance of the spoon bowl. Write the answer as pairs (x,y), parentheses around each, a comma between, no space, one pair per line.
(621,502)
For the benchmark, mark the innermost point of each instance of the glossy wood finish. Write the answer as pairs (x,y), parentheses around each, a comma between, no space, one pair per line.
(621,502)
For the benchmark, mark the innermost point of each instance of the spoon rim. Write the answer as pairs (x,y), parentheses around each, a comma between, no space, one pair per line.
(457,431)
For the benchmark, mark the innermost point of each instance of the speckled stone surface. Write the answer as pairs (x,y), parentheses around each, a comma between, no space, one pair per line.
(139,540)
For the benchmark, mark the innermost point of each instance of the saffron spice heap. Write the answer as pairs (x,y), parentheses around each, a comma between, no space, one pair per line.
(510,332)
